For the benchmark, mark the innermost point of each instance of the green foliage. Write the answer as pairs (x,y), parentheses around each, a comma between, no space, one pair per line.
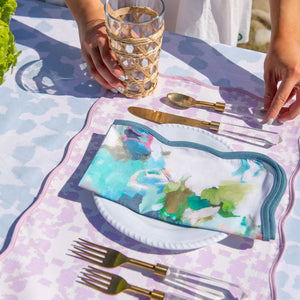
(8,51)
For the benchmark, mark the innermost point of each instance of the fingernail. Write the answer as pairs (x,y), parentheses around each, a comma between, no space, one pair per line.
(270,121)
(122,77)
(120,89)
(262,108)
(114,91)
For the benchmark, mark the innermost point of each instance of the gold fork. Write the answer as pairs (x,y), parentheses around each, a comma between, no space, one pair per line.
(113,284)
(110,258)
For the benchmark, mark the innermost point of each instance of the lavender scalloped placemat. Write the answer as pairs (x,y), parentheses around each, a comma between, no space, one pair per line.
(38,264)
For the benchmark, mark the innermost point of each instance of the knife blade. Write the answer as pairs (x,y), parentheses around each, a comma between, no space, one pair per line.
(254,136)
(164,118)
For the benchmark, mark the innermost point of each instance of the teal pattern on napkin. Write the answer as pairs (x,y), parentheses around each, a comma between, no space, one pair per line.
(186,183)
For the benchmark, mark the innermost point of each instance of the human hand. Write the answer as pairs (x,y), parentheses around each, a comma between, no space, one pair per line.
(100,59)
(282,64)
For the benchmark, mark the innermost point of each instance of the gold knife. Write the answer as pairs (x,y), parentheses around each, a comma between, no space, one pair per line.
(164,118)
(255,136)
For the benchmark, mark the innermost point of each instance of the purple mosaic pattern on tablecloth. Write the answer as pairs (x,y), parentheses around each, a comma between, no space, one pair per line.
(44,103)
(38,255)
(288,283)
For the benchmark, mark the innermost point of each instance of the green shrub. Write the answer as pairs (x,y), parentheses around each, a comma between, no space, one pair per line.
(8,50)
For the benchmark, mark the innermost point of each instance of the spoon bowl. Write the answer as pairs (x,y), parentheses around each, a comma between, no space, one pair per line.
(187,101)
(182,100)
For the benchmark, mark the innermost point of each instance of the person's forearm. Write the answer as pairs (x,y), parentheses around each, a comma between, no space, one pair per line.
(85,11)
(285,19)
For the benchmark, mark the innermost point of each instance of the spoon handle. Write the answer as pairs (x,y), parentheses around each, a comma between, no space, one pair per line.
(218,106)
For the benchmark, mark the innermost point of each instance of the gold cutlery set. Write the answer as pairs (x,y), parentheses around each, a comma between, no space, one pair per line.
(256,136)
(201,286)
(198,286)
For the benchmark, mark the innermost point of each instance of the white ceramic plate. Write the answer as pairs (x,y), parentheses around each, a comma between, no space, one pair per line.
(158,233)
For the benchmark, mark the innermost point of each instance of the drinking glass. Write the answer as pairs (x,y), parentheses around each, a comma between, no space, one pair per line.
(135,31)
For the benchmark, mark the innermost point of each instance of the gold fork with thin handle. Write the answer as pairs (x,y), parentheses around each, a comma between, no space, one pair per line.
(110,258)
(113,284)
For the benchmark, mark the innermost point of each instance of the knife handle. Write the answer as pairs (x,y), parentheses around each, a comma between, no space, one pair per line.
(219,106)
(214,125)
(207,287)
(171,296)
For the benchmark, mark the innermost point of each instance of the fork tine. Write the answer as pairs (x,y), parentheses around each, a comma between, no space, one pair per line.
(94,284)
(96,271)
(99,249)
(99,278)
(83,242)
(78,254)
(88,250)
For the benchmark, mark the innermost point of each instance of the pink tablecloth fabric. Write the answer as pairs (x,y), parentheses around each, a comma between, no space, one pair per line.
(37,264)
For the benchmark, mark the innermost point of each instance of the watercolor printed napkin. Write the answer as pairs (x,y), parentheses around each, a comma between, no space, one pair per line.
(186,183)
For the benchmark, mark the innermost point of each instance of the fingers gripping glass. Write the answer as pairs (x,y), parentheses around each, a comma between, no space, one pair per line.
(135,29)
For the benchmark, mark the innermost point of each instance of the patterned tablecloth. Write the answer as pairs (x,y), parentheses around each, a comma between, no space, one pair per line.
(45,102)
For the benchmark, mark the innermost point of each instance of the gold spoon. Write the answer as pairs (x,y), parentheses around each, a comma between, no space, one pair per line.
(187,101)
